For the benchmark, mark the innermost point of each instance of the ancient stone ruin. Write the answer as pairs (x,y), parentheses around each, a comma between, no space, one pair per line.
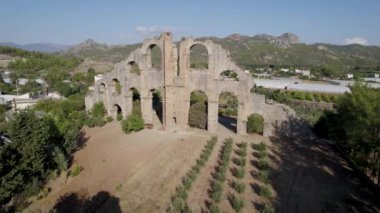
(175,80)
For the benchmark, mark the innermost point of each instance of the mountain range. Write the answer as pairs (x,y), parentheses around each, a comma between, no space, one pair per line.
(41,47)
(247,51)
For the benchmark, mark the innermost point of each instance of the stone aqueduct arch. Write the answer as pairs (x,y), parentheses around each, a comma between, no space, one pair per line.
(176,80)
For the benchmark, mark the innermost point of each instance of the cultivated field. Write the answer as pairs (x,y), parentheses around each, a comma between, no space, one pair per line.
(141,171)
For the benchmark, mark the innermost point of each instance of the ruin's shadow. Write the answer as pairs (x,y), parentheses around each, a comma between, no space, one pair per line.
(228,122)
(78,203)
(312,175)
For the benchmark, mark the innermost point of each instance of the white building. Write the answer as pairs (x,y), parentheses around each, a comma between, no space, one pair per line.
(302,72)
(349,75)
(98,77)
(284,70)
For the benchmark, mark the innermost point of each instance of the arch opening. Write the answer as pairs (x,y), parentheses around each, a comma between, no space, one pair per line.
(229,75)
(102,88)
(136,103)
(116,87)
(155,57)
(133,67)
(198,111)
(117,112)
(199,57)
(157,106)
(228,110)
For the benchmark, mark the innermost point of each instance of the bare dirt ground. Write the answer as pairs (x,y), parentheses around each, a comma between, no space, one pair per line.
(139,173)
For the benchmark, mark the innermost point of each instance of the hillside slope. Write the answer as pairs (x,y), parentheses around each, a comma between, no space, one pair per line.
(260,50)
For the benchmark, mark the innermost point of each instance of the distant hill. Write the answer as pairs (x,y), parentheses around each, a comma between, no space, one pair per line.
(259,50)
(99,51)
(247,51)
(41,47)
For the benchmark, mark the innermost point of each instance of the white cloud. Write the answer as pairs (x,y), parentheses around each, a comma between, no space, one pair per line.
(151,30)
(356,40)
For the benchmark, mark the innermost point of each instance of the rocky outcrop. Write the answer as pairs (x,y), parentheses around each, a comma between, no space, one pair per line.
(285,40)
(87,45)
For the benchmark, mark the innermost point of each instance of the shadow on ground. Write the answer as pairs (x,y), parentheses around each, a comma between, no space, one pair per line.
(80,202)
(228,122)
(312,176)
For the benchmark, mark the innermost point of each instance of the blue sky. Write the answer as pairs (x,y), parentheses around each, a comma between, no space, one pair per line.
(121,22)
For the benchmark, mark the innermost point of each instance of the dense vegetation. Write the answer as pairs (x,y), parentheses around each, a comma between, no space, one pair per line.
(54,69)
(309,114)
(282,96)
(39,142)
(39,150)
(355,126)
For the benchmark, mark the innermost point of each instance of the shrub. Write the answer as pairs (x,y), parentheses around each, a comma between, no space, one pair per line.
(119,117)
(259,147)
(187,182)
(133,123)
(265,190)
(255,124)
(98,110)
(263,164)
(317,97)
(95,121)
(263,176)
(217,186)
(201,162)
(216,196)
(214,208)
(239,161)
(196,168)
(238,186)
(308,96)
(262,154)
(75,171)
(178,204)
(221,175)
(181,193)
(242,145)
(237,203)
(241,152)
(109,119)
(268,208)
(239,172)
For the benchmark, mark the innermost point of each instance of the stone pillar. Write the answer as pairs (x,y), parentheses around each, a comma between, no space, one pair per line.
(212,116)
(146,109)
(128,105)
(113,112)
(241,120)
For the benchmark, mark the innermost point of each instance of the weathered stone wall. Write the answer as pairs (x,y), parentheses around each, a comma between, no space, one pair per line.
(176,80)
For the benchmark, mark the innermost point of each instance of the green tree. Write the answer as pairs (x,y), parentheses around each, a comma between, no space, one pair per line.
(27,158)
(356,127)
